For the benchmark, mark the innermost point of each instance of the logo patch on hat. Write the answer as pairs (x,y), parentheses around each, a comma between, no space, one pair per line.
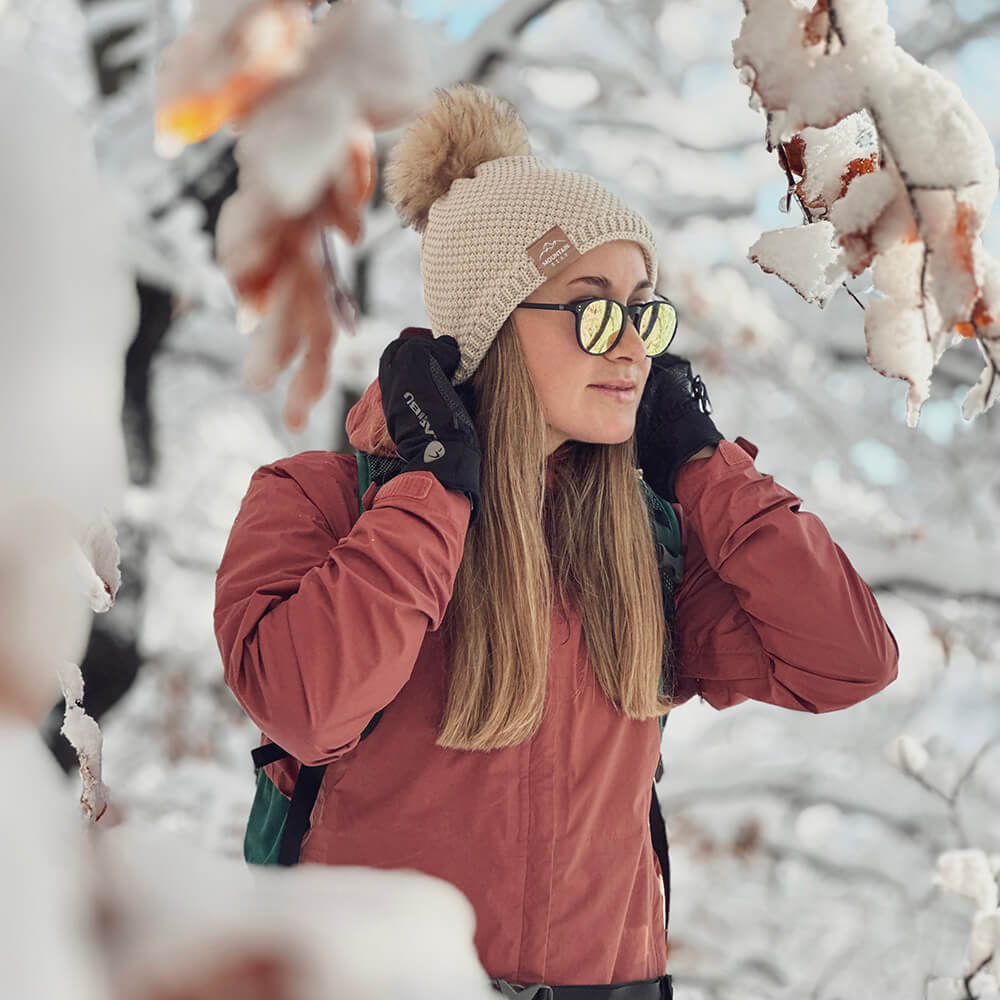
(552,252)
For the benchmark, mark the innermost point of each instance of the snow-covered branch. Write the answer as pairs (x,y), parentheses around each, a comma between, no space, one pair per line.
(305,99)
(966,872)
(973,874)
(61,365)
(894,172)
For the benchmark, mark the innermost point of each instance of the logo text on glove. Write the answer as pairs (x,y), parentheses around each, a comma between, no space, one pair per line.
(412,403)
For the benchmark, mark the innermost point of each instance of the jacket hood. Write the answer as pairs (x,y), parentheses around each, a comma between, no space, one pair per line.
(365,423)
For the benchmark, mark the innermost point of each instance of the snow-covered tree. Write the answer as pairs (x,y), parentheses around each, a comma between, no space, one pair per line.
(808,871)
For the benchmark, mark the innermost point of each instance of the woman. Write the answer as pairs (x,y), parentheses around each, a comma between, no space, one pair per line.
(500,597)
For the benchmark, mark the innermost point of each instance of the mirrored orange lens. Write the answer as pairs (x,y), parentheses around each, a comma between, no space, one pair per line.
(657,326)
(600,325)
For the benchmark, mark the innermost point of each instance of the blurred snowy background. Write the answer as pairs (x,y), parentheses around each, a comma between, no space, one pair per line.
(802,851)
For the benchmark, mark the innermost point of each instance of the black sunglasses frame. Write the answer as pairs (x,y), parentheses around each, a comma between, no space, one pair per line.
(628,312)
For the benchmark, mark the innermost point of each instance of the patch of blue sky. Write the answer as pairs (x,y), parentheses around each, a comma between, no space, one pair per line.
(991,232)
(458,18)
(902,13)
(977,71)
(707,78)
(937,420)
(878,463)
(770,198)
(972,10)
(905,14)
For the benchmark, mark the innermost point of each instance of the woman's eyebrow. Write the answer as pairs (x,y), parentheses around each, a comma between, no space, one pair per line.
(605,285)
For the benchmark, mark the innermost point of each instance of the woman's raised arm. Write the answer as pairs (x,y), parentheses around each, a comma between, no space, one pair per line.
(770,607)
(319,630)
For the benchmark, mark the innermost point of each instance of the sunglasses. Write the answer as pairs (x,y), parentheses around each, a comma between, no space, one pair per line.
(600,323)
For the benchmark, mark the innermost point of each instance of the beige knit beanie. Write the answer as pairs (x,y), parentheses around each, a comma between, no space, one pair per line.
(496,221)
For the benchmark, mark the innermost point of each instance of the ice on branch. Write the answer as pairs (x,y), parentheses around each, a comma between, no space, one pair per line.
(887,158)
(305,100)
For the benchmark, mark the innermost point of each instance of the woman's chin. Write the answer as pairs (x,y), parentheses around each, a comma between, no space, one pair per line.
(606,435)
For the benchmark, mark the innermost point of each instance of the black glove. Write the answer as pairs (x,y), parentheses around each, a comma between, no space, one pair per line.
(427,420)
(672,423)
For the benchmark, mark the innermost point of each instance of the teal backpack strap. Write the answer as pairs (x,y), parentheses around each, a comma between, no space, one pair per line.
(667,529)
(364,477)
(669,551)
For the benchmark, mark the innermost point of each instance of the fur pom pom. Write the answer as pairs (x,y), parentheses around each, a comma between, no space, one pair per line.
(464,126)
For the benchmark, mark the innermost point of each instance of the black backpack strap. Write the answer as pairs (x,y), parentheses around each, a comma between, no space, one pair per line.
(267,754)
(307,785)
(658,830)
(299,810)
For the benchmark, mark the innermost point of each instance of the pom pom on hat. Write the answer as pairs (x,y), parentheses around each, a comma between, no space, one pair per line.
(463,127)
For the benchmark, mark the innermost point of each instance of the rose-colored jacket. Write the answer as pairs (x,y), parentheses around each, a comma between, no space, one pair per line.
(323,618)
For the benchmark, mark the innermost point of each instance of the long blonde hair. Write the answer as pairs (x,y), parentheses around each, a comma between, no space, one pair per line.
(586,539)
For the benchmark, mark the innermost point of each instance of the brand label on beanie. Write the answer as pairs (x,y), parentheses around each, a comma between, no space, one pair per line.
(552,252)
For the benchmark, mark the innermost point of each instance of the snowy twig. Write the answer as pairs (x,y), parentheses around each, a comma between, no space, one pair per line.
(967,872)
(85,737)
(795,192)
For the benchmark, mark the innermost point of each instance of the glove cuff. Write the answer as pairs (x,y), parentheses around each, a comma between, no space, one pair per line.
(709,437)
(457,469)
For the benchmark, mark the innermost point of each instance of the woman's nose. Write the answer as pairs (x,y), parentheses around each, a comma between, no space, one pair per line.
(631,345)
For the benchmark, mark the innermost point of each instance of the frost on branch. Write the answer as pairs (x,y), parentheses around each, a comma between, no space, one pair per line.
(885,156)
(305,99)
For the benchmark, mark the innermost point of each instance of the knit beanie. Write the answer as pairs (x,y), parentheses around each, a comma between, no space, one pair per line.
(496,221)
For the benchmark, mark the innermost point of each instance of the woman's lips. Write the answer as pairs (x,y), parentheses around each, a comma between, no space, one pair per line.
(619,395)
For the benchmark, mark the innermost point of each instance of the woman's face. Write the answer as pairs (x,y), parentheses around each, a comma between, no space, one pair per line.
(565,377)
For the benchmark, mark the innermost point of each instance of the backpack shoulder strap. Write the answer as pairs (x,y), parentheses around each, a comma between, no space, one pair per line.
(667,529)
(364,477)
(307,784)
(670,557)
(304,794)
(661,848)
(310,777)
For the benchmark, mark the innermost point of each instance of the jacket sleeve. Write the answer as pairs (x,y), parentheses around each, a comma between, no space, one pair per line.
(318,632)
(770,608)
